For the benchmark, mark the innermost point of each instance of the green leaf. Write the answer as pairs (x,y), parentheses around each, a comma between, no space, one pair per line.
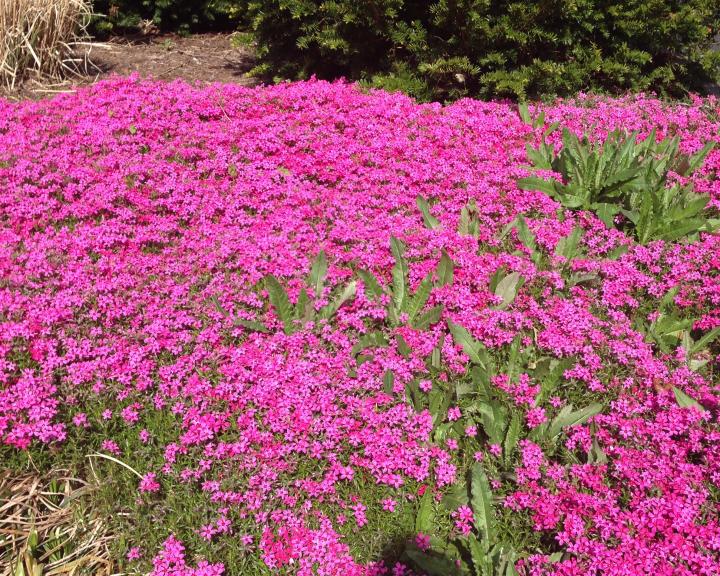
(403,347)
(397,247)
(607,212)
(346,295)
(445,270)
(430,221)
(524,233)
(482,505)
(698,158)
(399,273)
(685,401)
(567,246)
(372,286)
(455,497)
(304,309)
(369,340)
(424,521)
(512,436)
(399,287)
(216,302)
(280,302)
(432,565)
(703,342)
(474,349)
(568,417)
(507,289)
(524,113)
(251,325)
(318,273)
(388,381)
(427,319)
(536,183)
(420,298)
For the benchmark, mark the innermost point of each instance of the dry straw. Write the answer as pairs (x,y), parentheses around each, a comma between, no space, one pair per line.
(48,529)
(38,38)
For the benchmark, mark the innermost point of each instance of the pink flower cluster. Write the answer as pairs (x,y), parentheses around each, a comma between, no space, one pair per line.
(131,206)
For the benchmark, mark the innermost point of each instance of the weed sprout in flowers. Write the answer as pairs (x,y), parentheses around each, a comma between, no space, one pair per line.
(304,329)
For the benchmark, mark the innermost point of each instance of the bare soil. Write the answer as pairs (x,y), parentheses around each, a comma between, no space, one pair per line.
(201,58)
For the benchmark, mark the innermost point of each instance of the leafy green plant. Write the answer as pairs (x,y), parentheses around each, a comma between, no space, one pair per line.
(401,301)
(624,176)
(294,317)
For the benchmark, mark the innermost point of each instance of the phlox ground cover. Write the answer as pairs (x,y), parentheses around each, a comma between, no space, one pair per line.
(304,329)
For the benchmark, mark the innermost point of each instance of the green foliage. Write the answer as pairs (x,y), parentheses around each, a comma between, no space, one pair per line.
(624,176)
(401,301)
(295,316)
(167,15)
(445,49)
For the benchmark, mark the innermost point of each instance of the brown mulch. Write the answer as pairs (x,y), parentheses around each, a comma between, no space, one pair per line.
(203,58)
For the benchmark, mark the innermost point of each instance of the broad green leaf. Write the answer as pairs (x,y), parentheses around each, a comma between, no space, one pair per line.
(507,289)
(425,519)
(496,277)
(397,247)
(685,401)
(304,308)
(399,273)
(445,270)
(479,554)
(280,302)
(464,224)
(318,273)
(430,221)
(607,212)
(568,417)
(470,346)
(698,158)
(399,287)
(482,505)
(536,183)
(455,497)
(524,113)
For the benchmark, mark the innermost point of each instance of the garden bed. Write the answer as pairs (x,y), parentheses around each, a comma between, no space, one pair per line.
(307,329)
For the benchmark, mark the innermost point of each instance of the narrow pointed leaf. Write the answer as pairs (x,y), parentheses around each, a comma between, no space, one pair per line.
(482,505)
(372,286)
(420,298)
(445,270)
(318,273)
(430,221)
(280,302)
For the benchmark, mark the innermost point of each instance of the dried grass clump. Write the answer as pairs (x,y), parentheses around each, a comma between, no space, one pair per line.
(37,38)
(47,529)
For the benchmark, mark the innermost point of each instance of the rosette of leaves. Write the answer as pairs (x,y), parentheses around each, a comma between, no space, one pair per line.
(624,176)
